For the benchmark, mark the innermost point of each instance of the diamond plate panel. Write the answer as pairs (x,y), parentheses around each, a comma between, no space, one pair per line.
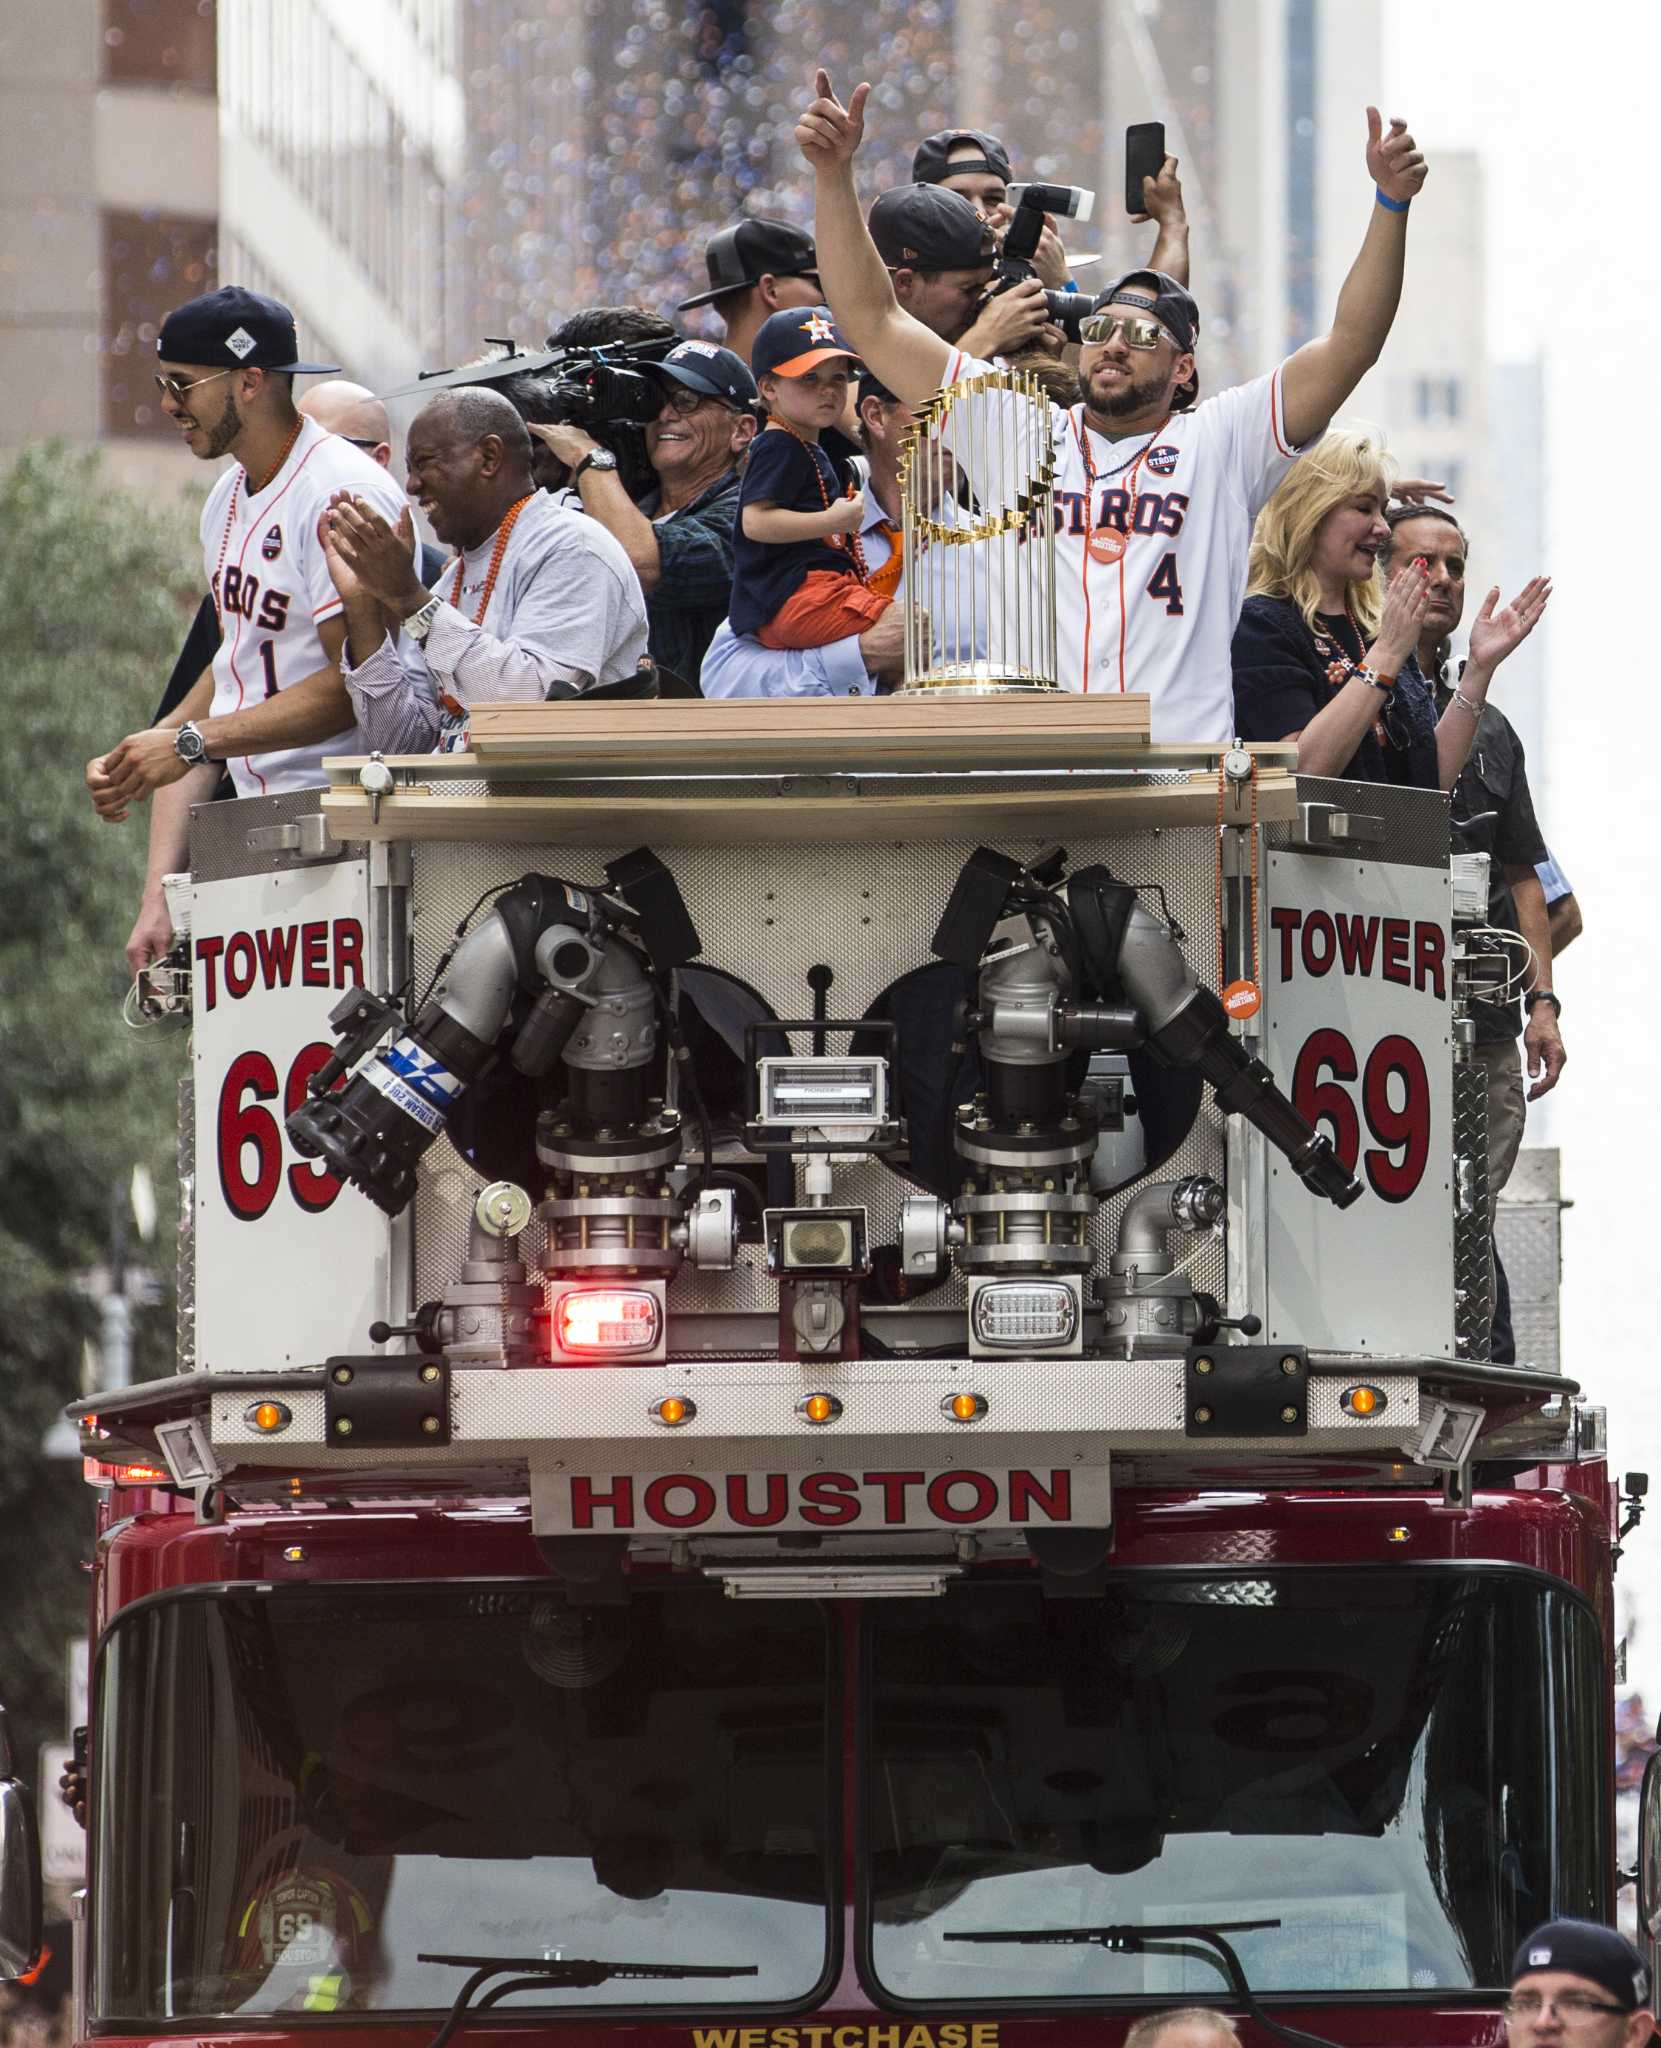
(184,1282)
(1473,1296)
(1528,1231)
(768,914)
(219,836)
(745,1415)
(1415,822)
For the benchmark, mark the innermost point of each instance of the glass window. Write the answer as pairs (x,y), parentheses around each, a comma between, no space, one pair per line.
(1370,1762)
(151,264)
(305,1790)
(160,42)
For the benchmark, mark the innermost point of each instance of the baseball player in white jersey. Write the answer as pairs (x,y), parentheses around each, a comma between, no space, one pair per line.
(1154,503)
(272,703)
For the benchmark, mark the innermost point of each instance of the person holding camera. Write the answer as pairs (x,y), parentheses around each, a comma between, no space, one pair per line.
(1154,495)
(538,602)
(970,162)
(680,536)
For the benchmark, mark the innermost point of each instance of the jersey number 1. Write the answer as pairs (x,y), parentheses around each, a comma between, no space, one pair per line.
(268,661)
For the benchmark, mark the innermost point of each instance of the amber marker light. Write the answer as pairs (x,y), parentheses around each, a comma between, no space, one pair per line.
(295,1554)
(819,1408)
(672,1411)
(1363,1400)
(268,1417)
(965,1407)
(1397,1534)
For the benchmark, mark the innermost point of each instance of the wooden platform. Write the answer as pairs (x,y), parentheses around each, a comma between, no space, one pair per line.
(812,735)
(986,809)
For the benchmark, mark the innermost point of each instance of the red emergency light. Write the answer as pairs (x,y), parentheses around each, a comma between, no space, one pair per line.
(607,1322)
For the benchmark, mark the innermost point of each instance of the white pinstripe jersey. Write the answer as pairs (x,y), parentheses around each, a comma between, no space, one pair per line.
(271,584)
(1161,617)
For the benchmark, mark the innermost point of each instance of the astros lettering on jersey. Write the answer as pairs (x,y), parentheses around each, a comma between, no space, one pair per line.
(271,585)
(1160,617)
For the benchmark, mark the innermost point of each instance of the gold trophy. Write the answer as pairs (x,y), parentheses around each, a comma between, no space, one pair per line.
(980,577)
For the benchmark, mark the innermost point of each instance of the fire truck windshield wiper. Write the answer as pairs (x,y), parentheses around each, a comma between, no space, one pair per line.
(575,1973)
(1133,1940)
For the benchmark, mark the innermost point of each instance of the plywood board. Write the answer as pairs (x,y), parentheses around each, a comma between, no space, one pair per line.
(812,735)
(433,813)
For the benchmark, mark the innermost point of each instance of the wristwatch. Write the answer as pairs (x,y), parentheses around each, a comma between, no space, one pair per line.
(596,458)
(189,744)
(1543,995)
(420,623)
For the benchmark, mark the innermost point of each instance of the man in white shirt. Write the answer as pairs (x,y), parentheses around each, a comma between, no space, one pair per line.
(538,603)
(271,702)
(1155,503)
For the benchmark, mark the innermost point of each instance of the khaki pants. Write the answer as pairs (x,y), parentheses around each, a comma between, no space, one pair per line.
(1507,1108)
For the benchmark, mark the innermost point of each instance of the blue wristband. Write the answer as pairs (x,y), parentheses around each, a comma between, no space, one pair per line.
(1393,205)
(1071,285)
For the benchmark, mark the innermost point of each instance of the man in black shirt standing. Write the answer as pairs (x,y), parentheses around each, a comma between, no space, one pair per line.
(1492,813)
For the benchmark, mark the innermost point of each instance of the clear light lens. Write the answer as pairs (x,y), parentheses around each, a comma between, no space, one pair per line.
(610,1322)
(1016,1312)
(818,1241)
(820,1090)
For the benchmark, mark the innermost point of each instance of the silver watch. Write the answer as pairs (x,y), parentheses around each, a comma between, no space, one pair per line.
(189,744)
(419,624)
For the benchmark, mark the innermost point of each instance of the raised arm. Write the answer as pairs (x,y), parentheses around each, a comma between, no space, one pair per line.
(1323,373)
(908,358)
(1162,196)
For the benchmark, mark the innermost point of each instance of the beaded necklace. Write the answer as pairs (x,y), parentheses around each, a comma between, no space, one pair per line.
(1340,666)
(1107,543)
(230,515)
(850,543)
(502,534)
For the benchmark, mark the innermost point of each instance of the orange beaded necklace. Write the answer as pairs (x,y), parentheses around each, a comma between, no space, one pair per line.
(849,542)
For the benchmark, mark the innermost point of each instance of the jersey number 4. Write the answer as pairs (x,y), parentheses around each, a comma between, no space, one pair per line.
(1163,585)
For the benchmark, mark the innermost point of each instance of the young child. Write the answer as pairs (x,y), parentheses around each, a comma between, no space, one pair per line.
(799,577)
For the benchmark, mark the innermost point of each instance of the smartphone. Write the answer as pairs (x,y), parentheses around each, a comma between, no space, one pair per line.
(1144,154)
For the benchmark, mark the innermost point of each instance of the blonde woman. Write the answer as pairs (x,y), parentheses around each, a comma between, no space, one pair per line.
(1324,652)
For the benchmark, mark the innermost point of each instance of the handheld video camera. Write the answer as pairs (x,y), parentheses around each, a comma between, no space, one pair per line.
(604,390)
(1014,265)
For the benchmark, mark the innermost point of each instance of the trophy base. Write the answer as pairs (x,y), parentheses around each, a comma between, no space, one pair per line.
(978,679)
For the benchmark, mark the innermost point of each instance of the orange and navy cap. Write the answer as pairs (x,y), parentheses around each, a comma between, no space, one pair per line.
(790,343)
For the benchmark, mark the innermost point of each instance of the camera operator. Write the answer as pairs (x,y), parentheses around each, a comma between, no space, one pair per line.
(539,399)
(680,535)
(940,258)
(1154,495)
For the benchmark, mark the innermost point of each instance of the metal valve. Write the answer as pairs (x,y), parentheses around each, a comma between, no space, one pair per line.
(503,1209)
(709,1236)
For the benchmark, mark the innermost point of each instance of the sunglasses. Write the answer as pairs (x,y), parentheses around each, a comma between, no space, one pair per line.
(176,387)
(682,399)
(1139,332)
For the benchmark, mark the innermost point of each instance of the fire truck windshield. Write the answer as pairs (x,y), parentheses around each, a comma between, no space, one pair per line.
(1404,1769)
(302,1789)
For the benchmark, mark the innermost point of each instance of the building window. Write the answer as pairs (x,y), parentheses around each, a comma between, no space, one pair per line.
(1438,398)
(151,265)
(160,42)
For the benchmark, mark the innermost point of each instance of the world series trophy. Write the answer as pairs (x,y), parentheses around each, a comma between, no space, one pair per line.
(980,577)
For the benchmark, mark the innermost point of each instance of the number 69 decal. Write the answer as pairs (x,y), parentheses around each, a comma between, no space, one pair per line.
(249,1139)
(1395,1101)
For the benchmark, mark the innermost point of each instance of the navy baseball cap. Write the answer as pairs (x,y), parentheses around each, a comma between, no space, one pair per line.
(750,250)
(1580,1948)
(933,159)
(242,329)
(791,342)
(925,227)
(1171,304)
(715,371)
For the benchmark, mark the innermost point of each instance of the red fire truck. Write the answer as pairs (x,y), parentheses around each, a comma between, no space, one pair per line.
(789,1436)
